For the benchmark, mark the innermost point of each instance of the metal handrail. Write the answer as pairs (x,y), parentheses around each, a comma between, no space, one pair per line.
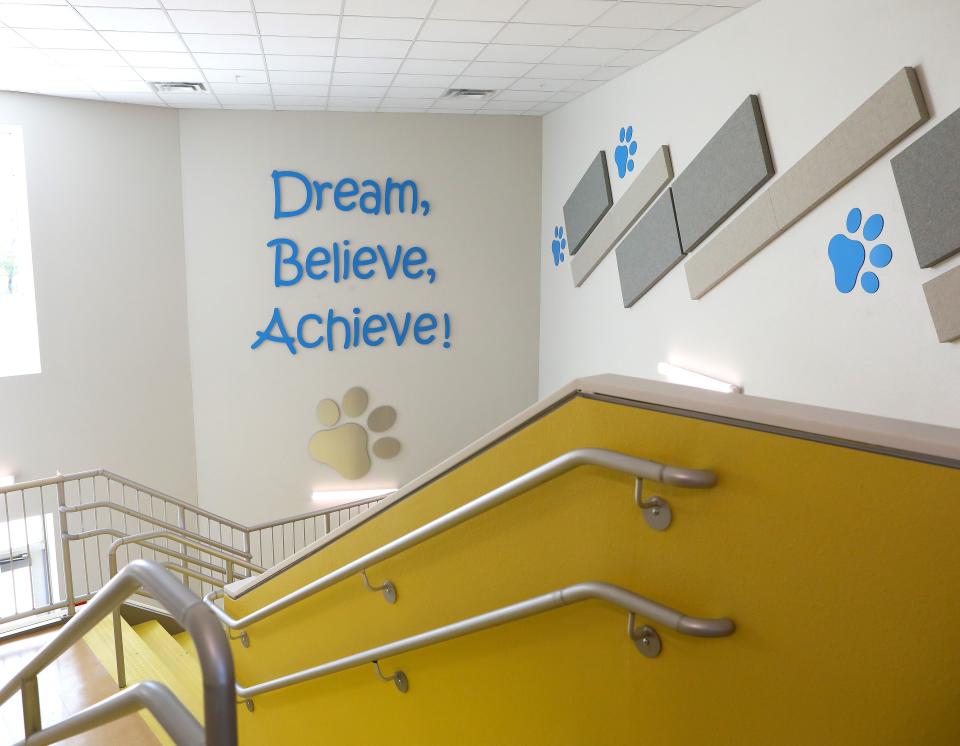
(149,695)
(146,518)
(210,641)
(195,542)
(633,603)
(637,467)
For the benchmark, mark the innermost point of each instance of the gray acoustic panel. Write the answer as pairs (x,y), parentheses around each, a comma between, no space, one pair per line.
(734,164)
(943,299)
(588,202)
(645,187)
(649,250)
(884,119)
(928,179)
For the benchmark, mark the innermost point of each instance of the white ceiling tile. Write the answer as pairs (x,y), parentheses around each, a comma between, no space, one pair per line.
(468,31)
(299,62)
(61,39)
(10,38)
(565,96)
(41,16)
(118,86)
(703,17)
(229,61)
(294,100)
(666,39)
(144,42)
(236,5)
(488,10)
(569,12)
(300,76)
(535,33)
(394,109)
(87,57)
(358,27)
(366,65)
(482,81)
(313,107)
(138,99)
(643,15)
(584,85)
(126,19)
(246,107)
(561,72)
(108,73)
(235,76)
(544,108)
(399,8)
(441,50)
(611,38)
(410,92)
(213,22)
(502,69)
(235,99)
(110,3)
(451,103)
(514,53)
(606,73)
(344,101)
(539,84)
(433,67)
(241,88)
(314,7)
(300,89)
(382,79)
(449,110)
(357,91)
(298,45)
(373,48)
(159,59)
(291,24)
(635,57)
(222,43)
(171,74)
(583,56)
(424,81)
(190,101)
(520,95)
(504,105)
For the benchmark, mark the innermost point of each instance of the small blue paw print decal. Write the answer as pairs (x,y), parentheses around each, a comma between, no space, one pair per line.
(558,246)
(848,255)
(623,155)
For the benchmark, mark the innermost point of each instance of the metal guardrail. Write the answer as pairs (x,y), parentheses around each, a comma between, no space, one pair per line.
(213,652)
(645,638)
(613,460)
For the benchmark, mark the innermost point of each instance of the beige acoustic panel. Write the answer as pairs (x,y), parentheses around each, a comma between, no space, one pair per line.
(888,116)
(943,299)
(645,188)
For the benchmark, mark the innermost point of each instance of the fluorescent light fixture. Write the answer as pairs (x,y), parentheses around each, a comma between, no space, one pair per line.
(331,498)
(7,479)
(676,374)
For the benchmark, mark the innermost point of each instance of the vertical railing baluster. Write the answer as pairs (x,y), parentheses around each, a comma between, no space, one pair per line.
(65,550)
(9,520)
(26,539)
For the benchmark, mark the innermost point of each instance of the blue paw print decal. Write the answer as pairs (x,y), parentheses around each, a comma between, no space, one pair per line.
(623,155)
(848,255)
(558,245)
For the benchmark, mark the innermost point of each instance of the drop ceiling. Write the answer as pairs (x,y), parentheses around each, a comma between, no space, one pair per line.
(342,55)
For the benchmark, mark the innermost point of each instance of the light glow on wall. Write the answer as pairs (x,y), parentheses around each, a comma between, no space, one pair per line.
(685,377)
(7,479)
(332,498)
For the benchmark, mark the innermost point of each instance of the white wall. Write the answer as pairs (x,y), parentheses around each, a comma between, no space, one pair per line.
(103,186)
(778,325)
(255,409)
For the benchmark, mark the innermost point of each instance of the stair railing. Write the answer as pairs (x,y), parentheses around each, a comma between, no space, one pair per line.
(213,652)
(646,639)
(654,509)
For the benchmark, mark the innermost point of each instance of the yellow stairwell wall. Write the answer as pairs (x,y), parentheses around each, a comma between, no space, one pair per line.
(839,566)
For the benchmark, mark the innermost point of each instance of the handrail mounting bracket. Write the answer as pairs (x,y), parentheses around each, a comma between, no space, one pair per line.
(644,637)
(399,678)
(387,587)
(656,511)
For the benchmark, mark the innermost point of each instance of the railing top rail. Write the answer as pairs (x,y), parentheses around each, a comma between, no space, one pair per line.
(48,481)
(614,460)
(627,600)
(312,514)
(213,649)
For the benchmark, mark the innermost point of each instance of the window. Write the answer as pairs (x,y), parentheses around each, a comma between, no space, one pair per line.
(19,342)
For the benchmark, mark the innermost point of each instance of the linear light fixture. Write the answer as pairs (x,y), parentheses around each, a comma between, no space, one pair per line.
(332,498)
(685,377)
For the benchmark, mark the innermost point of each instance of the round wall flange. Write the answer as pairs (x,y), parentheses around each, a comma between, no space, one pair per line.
(401,682)
(390,592)
(657,513)
(647,641)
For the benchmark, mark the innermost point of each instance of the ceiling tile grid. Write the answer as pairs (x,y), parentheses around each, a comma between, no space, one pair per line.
(340,55)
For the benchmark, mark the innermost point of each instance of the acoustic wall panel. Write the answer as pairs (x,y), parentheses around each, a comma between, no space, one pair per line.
(884,119)
(733,165)
(645,187)
(649,250)
(943,299)
(588,202)
(928,179)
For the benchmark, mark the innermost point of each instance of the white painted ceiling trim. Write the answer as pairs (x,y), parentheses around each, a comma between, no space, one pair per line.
(350,55)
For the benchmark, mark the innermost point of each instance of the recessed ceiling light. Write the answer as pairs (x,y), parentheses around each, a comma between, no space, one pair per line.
(177,87)
(475,93)
(685,377)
